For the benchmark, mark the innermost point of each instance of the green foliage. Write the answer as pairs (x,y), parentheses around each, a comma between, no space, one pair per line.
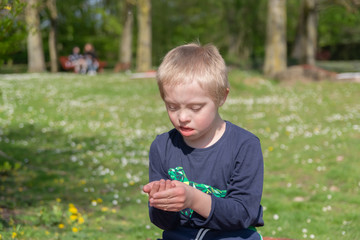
(50,215)
(7,167)
(12,28)
(174,23)
(338,26)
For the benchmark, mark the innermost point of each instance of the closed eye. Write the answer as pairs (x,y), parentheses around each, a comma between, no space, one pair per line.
(196,108)
(171,107)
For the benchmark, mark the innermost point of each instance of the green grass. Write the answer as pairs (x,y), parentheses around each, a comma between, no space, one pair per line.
(69,139)
(340,66)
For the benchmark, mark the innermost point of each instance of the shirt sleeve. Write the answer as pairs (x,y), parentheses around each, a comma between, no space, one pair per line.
(240,208)
(162,219)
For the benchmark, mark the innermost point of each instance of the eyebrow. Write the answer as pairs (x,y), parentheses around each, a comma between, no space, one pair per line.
(187,105)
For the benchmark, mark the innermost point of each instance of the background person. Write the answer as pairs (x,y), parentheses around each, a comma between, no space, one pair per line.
(91,59)
(76,60)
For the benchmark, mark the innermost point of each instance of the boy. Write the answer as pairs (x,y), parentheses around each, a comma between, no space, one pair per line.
(206,174)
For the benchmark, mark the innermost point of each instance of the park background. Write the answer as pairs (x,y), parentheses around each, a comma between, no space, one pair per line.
(73,148)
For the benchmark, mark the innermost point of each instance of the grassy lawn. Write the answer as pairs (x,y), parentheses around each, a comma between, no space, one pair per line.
(74,155)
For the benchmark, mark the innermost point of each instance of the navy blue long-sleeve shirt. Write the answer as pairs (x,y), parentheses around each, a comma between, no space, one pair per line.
(231,171)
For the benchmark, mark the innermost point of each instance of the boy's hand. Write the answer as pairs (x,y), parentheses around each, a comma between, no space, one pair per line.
(180,196)
(174,199)
(157,186)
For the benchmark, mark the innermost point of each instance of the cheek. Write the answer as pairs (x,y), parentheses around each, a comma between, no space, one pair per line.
(204,120)
(172,117)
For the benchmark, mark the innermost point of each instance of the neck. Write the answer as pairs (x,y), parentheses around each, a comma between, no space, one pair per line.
(213,135)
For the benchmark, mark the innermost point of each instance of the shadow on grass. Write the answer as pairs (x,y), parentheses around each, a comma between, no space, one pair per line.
(38,166)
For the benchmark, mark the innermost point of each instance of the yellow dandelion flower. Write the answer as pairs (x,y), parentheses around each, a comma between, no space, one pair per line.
(73,210)
(58,200)
(13,235)
(132,183)
(268,129)
(61,226)
(104,209)
(270,149)
(81,220)
(73,217)
(113,210)
(47,233)
(99,200)
(74,229)
(83,182)
(0,237)
(7,7)
(71,205)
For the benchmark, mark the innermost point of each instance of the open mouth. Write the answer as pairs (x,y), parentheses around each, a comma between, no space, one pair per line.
(185,131)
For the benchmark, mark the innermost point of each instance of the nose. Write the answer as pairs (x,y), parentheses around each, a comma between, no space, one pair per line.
(183,116)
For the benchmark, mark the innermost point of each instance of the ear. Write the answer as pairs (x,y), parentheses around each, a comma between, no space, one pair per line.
(225,97)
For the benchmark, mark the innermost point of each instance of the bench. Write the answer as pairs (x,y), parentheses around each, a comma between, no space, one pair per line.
(65,64)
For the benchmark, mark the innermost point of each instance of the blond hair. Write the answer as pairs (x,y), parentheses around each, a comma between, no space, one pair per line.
(193,62)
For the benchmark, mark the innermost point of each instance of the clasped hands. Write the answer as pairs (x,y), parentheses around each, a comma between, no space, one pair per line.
(169,195)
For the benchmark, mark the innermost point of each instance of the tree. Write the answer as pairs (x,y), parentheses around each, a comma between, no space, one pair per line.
(143,59)
(12,29)
(36,61)
(241,38)
(306,35)
(275,52)
(51,7)
(179,22)
(125,53)
(339,29)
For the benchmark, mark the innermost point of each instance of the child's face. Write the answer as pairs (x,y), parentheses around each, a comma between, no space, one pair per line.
(193,113)
(76,50)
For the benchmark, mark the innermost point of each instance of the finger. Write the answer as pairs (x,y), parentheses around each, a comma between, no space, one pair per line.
(166,195)
(147,188)
(169,207)
(177,183)
(154,189)
(168,184)
(162,185)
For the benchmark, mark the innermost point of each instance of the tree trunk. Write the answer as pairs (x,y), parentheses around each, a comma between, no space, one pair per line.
(300,38)
(304,49)
(311,32)
(275,56)
(143,59)
(36,61)
(51,5)
(125,54)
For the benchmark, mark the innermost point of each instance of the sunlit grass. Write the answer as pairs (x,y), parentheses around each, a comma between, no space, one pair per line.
(70,139)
